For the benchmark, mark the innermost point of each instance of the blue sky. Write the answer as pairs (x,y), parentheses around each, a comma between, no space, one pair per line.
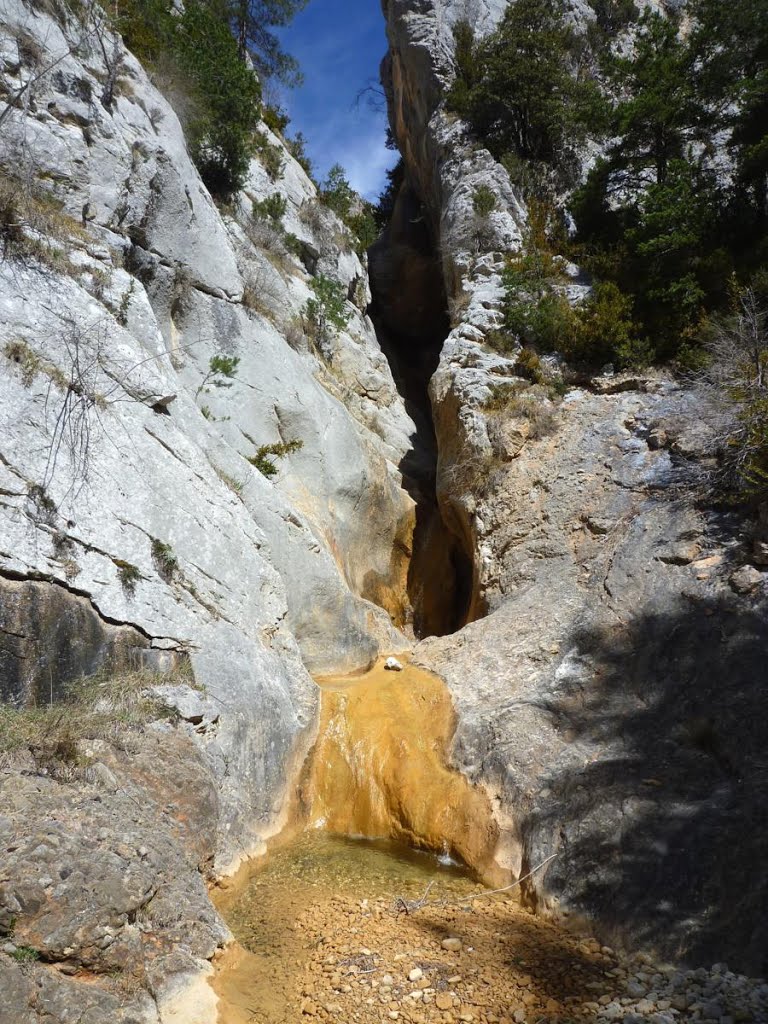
(339,44)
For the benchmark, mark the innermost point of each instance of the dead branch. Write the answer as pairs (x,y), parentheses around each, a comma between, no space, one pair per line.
(403,906)
(506,888)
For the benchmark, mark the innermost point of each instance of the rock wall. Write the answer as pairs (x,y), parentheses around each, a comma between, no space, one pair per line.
(608,691)
(115,460)
(131,521)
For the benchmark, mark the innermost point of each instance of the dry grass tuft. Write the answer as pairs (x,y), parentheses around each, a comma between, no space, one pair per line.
(108,707)
(515,401)
(34,227)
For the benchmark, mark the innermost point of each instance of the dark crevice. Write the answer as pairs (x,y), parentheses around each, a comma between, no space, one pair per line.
(409,314)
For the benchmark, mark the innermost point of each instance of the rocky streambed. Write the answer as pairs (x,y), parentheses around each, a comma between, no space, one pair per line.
(324,936)
(338,923)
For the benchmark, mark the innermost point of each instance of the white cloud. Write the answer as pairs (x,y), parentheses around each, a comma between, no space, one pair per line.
(339,52)
(366,160)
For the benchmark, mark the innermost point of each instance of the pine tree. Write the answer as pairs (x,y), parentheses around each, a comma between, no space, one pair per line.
(519,89)
(660,112)
(253,21)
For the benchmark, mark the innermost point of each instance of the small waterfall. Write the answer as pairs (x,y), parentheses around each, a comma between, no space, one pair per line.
(379,768)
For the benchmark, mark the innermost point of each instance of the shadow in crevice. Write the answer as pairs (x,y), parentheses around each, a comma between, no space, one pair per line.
(664,831)
(409,312)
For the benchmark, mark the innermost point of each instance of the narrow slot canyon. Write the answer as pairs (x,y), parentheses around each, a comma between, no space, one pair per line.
(409,312)
(384,562)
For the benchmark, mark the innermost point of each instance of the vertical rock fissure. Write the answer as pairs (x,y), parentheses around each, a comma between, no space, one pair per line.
(409,311)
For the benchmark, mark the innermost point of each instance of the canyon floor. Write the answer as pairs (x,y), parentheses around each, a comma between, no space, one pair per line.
(335,924)
(310,950)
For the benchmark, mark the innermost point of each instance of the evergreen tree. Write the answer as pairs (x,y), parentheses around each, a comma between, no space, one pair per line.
(660,112)
(253,22)
(198,46)
(519,89)
(730,43)
(337,193)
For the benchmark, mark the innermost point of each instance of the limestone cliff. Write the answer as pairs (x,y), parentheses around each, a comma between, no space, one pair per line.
(608,692)
(600,624)
(135,530)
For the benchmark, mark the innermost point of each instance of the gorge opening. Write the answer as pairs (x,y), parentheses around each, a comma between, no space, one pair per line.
(409,312)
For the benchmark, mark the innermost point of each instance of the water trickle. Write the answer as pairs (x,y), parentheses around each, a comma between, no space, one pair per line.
(272,907)
(379,767)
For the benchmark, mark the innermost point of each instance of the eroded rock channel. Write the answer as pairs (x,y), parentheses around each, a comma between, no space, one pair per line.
(348,921)
(409,311)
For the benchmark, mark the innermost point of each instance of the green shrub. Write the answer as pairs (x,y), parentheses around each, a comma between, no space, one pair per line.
(270,156)
(604,331)
(534,310)
(45,510)
(29,361)
(385,205)
(502,341)
(483,201)
(363,226)
(221,371)
(25,955)
(293,244)
(327,311)
(264,458)
(528,365)
(165,560)
(275,118)
(359,215)
(271,208)
(128,575)
(297,147)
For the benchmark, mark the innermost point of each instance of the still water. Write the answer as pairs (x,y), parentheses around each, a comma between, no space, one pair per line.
(317,866)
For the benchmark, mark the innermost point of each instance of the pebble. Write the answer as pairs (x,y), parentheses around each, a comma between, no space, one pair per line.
(508,981)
